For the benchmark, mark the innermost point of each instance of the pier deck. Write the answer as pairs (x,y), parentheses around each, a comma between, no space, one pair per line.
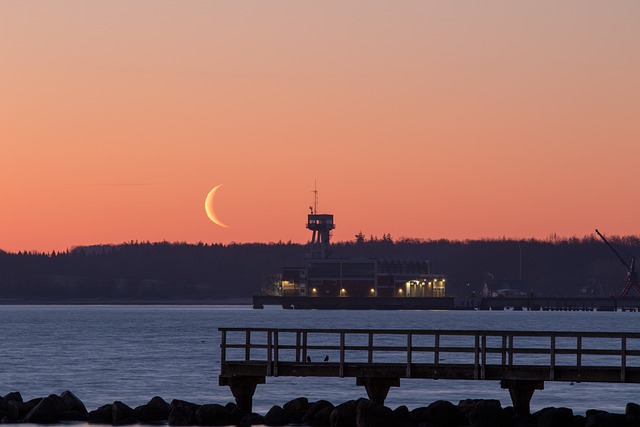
(378,359)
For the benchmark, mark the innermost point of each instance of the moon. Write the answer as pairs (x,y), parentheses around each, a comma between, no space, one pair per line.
(208,207)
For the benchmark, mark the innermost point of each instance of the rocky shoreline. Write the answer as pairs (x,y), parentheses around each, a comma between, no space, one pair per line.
(67,408)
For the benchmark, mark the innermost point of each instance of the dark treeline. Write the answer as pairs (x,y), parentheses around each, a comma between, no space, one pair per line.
(201,272)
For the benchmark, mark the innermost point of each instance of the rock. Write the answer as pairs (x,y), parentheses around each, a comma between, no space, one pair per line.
(235,416)
(581,421)
(555,417)
(314,409)
(72,416)
(7,419)
(466,405)
(595,411)
(372,414)
(182,415)
(177,402)
(18,410)
(251,420)
(276,417)
(344,415)
(402,414)
(123,414)
(45,412)
(157,409)
(446,414)
(61,406)
(605,419)
(231,406)
(322,418)
(102,415)
(418,415)
(14,396)
(212,415)
(632,409)
(72,402)
(488,413)
(295,409)
(524,421)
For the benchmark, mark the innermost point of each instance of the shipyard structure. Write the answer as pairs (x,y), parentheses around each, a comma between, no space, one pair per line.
(327,282)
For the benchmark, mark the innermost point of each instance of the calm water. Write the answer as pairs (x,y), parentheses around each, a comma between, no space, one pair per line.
(132,353)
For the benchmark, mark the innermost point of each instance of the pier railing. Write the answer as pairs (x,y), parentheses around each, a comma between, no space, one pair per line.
(590,356)
(513,357)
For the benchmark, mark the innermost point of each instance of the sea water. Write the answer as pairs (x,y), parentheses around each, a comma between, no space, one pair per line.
(132,353)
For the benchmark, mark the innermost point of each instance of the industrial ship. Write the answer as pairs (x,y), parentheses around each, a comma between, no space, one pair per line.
(324,282)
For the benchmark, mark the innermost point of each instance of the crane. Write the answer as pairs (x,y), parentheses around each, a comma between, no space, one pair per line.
(632,274)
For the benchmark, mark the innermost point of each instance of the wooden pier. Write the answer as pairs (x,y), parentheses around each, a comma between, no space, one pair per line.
(378,359)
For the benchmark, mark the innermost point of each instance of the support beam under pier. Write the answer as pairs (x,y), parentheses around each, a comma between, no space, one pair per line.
(243,389)
(521,392)
(377,387)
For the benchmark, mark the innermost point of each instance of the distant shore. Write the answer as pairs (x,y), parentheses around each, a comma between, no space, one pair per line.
(115,301)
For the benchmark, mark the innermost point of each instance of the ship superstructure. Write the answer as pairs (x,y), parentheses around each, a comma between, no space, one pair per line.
(324,276)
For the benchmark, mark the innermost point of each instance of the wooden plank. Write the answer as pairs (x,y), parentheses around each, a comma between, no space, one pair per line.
(409,356)
(453,332)
(342,337)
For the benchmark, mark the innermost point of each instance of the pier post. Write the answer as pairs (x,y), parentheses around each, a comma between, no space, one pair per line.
(521,392)
(377,387)
(243,389)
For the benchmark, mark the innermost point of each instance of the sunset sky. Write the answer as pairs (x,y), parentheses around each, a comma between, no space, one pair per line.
(426,119)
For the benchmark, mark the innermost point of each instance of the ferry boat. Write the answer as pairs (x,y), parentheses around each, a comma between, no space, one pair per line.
(324,282)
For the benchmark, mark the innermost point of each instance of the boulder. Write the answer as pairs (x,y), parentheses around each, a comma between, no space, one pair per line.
(322,418)
(182,415)
(212,415)
(19,410)
(296,408)
(14,396)
(445,414)
(524,421)
(102,415)
(177,402)
(605,419)
(488,413)
(372,414)
(157,409)
(251,420)
(418,415)
(61,406)
(123,414)
(45,412)
(467,405)
(632,410)
(402,414)
(72,416)
(555,417)
(72,402)
(344,415)
(276,417)
(310,416)
(595,411)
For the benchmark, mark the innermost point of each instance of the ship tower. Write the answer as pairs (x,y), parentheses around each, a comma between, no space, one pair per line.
(321,226)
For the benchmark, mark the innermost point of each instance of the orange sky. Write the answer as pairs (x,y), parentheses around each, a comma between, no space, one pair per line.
(417,118)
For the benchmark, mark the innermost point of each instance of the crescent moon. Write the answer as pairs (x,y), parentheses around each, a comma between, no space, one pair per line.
(208,207)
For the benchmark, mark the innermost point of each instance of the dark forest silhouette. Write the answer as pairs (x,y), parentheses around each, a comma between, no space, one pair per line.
(205,273)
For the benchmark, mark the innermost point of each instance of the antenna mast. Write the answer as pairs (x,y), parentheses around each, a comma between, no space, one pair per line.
(315,197)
